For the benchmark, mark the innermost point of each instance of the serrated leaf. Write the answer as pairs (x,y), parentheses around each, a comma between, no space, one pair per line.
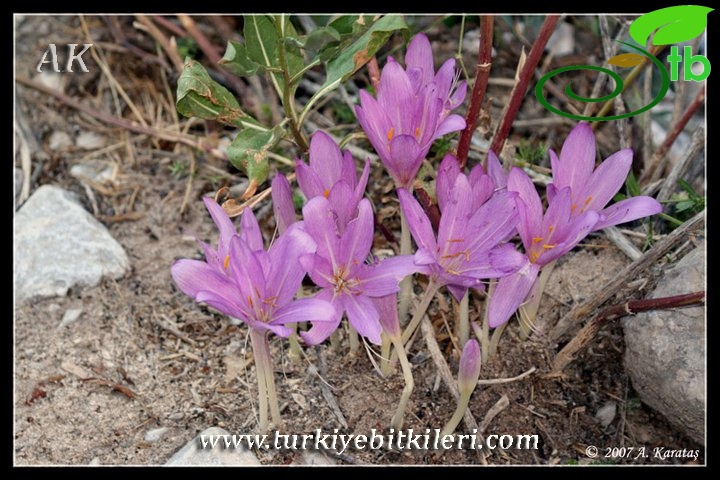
(352,57)
(237,61)
(626,60)
(249,151)
(676,24)
(200,96)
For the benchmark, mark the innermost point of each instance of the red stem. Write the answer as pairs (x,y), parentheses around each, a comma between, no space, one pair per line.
(481,81)
(176,30)
(518,93)
(374,71)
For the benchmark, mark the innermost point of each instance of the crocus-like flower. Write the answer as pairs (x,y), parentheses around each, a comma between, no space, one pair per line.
(332,174)
(472,225)
(339,269)
(545,238)
(242,280)
(412,109)
(592,188)
(282,201)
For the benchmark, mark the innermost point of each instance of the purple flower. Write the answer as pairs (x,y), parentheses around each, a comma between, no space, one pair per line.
(469,369)
(331,174)
(282,200)
(592,188)
(242,280)
(412,109)
(546,237)
(338,267)
(472,225)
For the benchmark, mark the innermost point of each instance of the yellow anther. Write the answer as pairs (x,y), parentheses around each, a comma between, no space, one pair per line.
(588,200)
(326,193)
(534,256)
(573,207)
(417,132)
(537,239)
(250,302)
(390,133)
(551,228)
(226,262)
(549,247)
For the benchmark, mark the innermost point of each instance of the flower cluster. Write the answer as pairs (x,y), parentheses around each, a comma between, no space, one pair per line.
(480,213)
(577,198)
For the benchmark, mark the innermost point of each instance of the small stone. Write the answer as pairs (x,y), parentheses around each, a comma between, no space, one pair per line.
(94,461)
(59,245)
(59,140)
(606,414)
(75,369)
(90,141)
(51,79)
(155,434)
(315,458)
(19,177)
(193,453)
(665,349)
(94,170)
(562,41)
(69,317)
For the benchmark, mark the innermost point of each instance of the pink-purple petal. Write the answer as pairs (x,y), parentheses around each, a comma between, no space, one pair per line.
(577,158)
(320,224)
(282,201)
(452,123)
(304,310)
(406,158)
(510,292)
(447,173)
(529,206)
(383,278)
(605,181)
(308,181)
(286,272)
(419,56)
(419,224)
(357,240)
(386,307)
(250,230)
(363,316)
(325,157)
(454,220)
(224,224)
(628,210)
(496,171)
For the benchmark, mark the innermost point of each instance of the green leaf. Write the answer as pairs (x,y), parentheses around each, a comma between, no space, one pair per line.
(249,151)
(676,24)
(200,96)
(321,37)
(632,186)
(352,57)
(262,42)
(237,61)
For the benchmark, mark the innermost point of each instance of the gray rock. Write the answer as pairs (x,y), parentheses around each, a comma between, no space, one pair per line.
(90,141)
(606,414)
(193,453)
(665,350)
(70,315)
(58,245)
(155,434)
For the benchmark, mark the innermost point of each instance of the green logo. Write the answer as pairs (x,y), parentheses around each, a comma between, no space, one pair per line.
(673,25)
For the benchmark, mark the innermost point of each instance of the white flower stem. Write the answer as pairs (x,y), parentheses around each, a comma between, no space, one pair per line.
(463,323)
(485,338)
(497,333)
(385,366)
(406,283)
(353,340)
(528,310)
(398,418)
(462,405)
(421,309)
(258,340)
(295,352)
